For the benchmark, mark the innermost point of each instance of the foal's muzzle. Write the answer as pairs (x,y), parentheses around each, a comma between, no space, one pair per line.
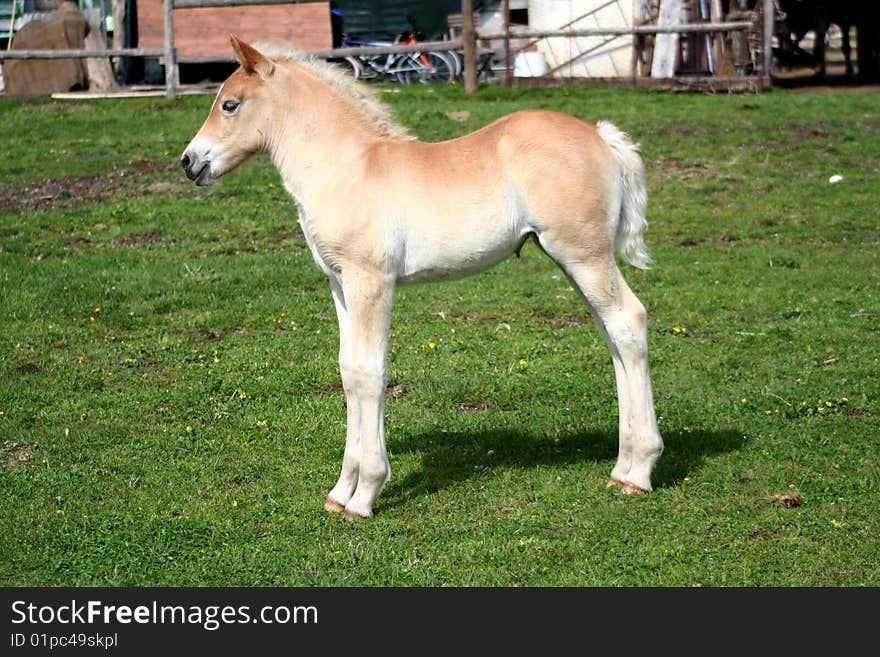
(196,169)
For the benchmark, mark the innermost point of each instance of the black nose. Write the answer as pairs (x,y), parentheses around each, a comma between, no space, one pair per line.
(184,162)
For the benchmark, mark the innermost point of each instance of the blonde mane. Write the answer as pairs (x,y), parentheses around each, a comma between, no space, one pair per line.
(363,98)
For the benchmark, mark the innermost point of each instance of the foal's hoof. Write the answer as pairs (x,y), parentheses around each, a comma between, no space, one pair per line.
(632,489)
(333,507)
(351,516)
(613,482)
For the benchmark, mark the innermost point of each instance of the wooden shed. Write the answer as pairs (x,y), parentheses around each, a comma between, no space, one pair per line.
(204,32)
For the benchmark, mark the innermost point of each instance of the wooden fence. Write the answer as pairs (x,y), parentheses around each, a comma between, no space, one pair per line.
(168,54)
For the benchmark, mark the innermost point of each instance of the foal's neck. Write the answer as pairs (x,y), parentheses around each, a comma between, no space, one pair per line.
(319,134)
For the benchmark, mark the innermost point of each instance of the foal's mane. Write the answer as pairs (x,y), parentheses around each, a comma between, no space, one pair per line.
(364,99)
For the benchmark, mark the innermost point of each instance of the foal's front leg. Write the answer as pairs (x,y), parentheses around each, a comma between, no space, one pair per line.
(368,297)
(348,477)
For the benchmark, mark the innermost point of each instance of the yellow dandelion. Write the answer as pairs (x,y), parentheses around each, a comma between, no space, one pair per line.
(234,504)
(262,423)
(491,452)
(523,362)
(829,404)
(432,345)
(189,429)
(744,400)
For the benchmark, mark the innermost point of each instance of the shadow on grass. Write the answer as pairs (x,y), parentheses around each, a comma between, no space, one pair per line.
(448,458)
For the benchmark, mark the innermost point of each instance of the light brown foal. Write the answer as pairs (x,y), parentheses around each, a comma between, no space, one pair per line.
(379,208)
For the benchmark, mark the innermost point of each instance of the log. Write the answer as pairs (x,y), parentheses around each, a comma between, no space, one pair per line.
(666,45)
(98,70)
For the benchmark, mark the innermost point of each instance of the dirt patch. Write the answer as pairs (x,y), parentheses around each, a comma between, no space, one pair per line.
(568,319)
(54,107)
(398,390)
(28,368)
(140,238)
(205,334)
(485,405)
(15,454)
(46,193)
(66,192)
(788,500)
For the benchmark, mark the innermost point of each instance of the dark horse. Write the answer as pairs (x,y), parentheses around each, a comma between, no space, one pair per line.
(802,16)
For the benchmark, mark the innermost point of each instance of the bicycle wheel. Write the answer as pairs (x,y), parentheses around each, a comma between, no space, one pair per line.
(442,67)
(426,67)
(457,62)
(408,68)
(351,66)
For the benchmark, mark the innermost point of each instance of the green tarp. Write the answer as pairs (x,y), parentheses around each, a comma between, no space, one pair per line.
(382,19)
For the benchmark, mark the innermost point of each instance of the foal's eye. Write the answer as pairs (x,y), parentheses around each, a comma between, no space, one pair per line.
(229,106)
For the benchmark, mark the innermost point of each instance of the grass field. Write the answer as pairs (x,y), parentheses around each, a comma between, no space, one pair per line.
(171,411)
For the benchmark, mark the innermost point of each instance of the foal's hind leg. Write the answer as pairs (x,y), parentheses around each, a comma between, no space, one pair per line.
(622,320)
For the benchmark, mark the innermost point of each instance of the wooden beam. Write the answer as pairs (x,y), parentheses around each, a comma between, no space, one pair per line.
(191,4)
(81,54)
(684,28)
(469,42)
(171,70)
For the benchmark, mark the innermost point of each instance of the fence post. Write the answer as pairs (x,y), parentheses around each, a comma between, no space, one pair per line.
(508,66)
(171,72)
(469,44)
(767,46)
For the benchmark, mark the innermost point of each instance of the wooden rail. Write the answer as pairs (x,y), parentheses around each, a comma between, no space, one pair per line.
(80,54)
(169,57)
(684,28)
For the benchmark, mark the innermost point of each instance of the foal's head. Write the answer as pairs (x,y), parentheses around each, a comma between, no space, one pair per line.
(236,126)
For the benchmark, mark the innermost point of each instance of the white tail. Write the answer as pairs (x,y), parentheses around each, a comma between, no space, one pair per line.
(629,214)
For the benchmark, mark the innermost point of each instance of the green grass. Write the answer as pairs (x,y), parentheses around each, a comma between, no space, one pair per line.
(171,406)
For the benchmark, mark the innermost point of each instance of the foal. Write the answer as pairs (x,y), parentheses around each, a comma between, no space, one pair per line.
(437,211)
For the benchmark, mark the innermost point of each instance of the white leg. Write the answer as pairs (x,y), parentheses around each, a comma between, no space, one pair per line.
(348,477)
(368,297)
(624,412)
(623,322)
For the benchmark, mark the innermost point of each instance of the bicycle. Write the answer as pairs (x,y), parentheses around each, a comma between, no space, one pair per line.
(406,68)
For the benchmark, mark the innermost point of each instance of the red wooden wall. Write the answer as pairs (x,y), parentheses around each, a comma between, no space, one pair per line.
(205,31)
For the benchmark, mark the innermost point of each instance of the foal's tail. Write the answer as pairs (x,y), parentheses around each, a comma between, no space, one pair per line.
(630,191)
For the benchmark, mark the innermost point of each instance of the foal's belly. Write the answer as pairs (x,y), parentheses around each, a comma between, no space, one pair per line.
(454,249)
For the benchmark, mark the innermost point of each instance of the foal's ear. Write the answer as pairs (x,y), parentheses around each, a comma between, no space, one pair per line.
(251,60)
